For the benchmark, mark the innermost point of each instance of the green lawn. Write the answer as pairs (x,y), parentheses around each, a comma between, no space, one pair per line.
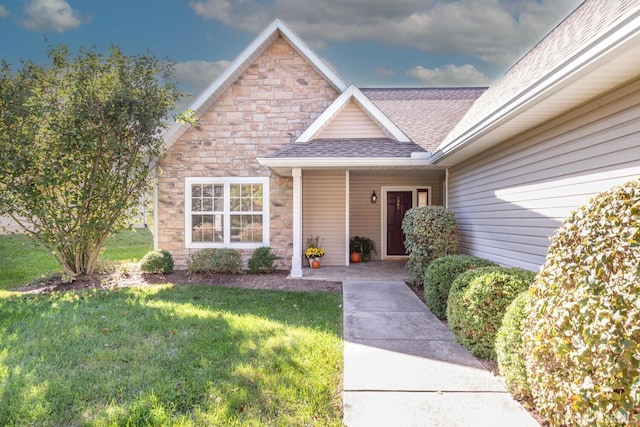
(23,259)
(165,355)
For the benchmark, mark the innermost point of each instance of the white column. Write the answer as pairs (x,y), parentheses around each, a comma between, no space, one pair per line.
(296,259)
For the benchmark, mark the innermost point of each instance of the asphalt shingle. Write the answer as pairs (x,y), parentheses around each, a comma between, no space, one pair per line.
(352,147)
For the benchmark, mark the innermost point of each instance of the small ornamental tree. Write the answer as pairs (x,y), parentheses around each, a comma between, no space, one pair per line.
(77,140)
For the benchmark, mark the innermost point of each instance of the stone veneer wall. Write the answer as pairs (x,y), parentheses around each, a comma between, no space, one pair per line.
(269,106)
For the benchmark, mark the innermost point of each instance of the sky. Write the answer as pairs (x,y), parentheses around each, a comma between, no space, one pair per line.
(371,43)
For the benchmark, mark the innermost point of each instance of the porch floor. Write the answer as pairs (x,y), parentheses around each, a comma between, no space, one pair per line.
(372,271)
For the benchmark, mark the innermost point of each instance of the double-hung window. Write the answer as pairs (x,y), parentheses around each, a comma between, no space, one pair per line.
(226,212)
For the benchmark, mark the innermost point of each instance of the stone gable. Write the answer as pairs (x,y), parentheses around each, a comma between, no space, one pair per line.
(269,106)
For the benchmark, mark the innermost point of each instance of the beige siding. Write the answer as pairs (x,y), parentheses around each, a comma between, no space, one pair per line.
(365,217)
(351,122)
(324,212)
(512,198)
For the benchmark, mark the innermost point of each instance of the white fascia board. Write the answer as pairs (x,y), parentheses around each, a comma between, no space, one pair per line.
(243,61)
(342,162)
(593,57)
(352,92)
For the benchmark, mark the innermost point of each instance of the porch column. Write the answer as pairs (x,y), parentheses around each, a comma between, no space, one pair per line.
(296,259)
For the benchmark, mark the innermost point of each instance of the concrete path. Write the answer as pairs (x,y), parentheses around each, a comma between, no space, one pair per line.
(403,368)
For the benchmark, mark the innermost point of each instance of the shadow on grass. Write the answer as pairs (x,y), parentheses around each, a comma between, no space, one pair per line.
(191,355)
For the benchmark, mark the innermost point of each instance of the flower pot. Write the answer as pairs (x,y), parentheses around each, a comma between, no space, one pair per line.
(315,263)
(355,257)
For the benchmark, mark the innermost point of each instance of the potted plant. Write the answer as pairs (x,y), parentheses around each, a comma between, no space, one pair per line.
(361,248)
(314,252)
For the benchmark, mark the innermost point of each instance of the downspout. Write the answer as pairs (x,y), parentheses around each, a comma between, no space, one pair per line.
(446,188)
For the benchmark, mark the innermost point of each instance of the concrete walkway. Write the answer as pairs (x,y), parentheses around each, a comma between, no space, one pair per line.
(403,368)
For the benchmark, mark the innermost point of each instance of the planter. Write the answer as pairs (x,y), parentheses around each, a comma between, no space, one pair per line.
(315,263)
(311,261)
(355,257)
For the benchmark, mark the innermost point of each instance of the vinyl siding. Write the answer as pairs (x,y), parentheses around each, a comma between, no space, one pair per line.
(509,200)
(351,122)
(365,217)
(324,212)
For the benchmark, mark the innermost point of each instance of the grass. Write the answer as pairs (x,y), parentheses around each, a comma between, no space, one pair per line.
(166,355)
(23,259)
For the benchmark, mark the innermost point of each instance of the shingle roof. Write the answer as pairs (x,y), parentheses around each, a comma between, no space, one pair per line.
(354,147)
(426,115)
(566,41)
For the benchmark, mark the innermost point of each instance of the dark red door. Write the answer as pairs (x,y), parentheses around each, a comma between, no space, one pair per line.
(398,202)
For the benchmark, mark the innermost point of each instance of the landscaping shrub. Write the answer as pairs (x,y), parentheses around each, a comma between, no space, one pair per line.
(582,333)
(214,261)
(509,350)
(477,302)
(158,261)
(430,233)
(262,260)
(439,276)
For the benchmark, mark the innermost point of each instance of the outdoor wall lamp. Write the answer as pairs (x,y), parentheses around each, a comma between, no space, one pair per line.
(374,198)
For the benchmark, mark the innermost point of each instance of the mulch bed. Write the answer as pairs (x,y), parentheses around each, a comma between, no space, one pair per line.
(276,281)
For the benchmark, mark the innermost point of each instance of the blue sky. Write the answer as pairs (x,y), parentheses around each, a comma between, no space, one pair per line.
(369,42)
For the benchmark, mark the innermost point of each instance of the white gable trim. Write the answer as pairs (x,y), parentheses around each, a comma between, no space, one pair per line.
(277,28)
(363,102)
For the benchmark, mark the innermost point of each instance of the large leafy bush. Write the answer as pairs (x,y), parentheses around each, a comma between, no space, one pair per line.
(439,276)
(509,349)
(582,339)
(477,302)
(214,261)
(430,232)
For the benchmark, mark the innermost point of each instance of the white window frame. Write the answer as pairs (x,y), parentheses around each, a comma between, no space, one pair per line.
(226,181)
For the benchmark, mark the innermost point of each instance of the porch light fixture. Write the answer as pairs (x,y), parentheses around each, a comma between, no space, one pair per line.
(374,198)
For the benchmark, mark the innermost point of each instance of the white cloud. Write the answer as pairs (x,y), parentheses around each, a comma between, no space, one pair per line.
(494,31)
(198,75)
(51,15)
(449,75)
(3,11)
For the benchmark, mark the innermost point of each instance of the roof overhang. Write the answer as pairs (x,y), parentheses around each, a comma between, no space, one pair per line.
(284,166)
(608,62)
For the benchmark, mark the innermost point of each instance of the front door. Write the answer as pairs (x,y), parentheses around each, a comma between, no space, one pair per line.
(398,202)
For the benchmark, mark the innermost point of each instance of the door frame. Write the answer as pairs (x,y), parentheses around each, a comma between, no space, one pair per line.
(383,217)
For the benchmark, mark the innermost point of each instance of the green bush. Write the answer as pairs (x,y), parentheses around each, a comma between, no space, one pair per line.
(430,233)
(509,349)
(262,260)
(477,302)
(582,339)
(439,276)
(158,261)
(214,261)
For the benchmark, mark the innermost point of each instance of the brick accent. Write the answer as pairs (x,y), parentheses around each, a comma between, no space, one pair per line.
(269,106)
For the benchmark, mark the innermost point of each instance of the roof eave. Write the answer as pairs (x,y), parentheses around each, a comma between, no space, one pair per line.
(608,62)
(283,166)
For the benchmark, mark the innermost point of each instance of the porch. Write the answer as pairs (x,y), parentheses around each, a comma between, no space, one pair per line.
(388,270)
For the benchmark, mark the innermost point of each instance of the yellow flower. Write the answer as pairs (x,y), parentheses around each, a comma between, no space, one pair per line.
(313,252)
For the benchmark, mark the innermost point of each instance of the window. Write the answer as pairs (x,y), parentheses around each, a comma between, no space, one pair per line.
(229,212)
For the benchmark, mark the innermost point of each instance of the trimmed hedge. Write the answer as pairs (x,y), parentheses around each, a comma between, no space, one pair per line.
(430,233)
(582,339)
(509,349)
(477,302)
(439,276)
(262,261)
(157,261)
(214,261)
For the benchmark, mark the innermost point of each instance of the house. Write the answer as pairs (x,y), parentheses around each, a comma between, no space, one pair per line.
(285,150)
